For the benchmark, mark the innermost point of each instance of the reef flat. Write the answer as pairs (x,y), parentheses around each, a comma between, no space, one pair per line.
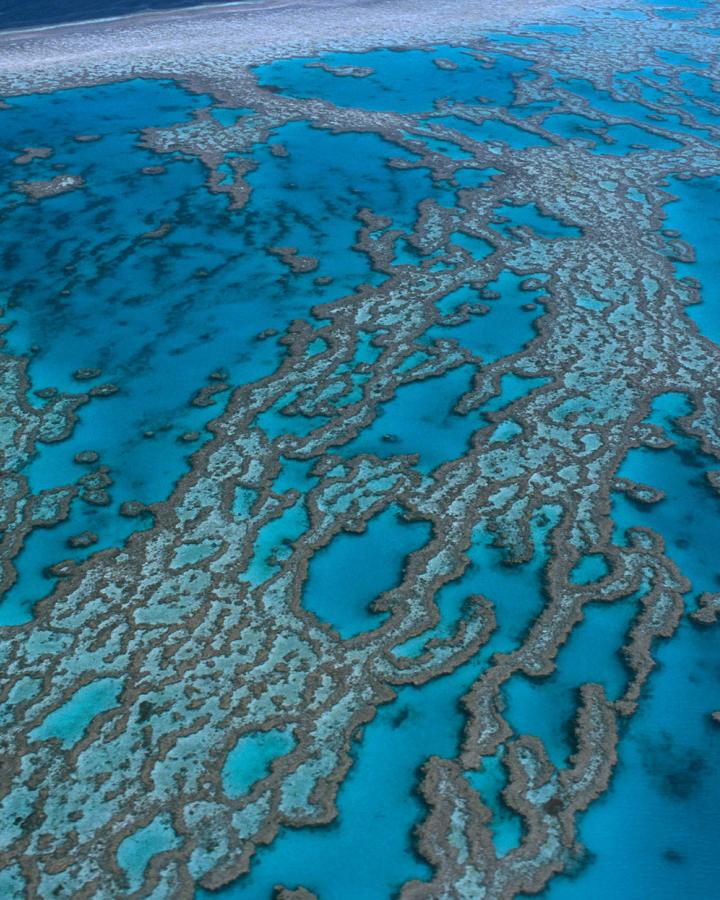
(360,452)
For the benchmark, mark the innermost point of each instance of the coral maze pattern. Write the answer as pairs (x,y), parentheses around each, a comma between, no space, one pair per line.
(205,628)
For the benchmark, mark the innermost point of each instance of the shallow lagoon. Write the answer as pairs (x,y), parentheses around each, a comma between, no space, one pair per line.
(366,565)
(400,80)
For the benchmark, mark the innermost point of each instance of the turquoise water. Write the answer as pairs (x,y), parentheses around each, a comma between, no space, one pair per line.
(529,215)
(543,28)
(682,15)
(547,707)
(654,833)
(618,140)
(681,59)
(686,515)
(505,329)
(250,759)
(367,851)
(604,102)
(365,565)
(506,826)
(695,215)
(474,178)
(136,851)
(404,81)
(653,829)
(68,722)
(493,130)
(516,591)
(420,420)
(513,387)
(591,568)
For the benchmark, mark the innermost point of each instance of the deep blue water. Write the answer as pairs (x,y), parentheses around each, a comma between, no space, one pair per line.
(37,13)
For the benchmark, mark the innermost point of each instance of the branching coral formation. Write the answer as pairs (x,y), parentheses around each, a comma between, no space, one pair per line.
(197,635)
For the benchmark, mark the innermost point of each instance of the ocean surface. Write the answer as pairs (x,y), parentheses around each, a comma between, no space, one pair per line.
(152,278)
(40,13)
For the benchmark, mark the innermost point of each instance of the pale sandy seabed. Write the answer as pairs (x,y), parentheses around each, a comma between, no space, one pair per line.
(206,38)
